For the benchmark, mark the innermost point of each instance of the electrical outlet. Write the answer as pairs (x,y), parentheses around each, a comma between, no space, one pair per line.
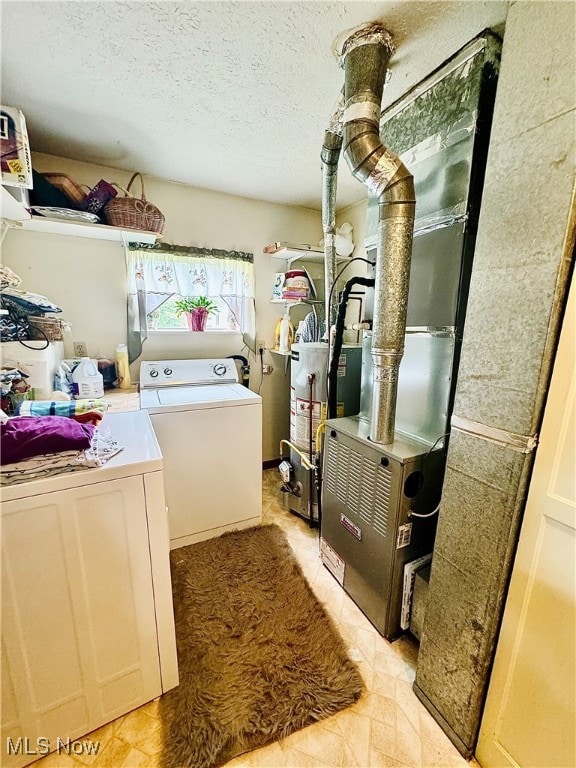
(260,346)
(80,349)
(267,369)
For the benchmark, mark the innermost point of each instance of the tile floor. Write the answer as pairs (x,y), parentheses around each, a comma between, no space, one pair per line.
(386,728)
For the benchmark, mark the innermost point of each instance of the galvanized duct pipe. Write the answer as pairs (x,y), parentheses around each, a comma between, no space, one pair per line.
(330,155)
(365,57)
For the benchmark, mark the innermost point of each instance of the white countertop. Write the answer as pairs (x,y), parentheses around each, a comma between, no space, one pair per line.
(141,454)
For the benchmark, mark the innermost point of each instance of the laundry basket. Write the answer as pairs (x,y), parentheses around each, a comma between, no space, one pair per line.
(134,212)
(46,328)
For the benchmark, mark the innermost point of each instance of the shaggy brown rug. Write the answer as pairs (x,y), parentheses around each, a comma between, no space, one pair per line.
(258,656)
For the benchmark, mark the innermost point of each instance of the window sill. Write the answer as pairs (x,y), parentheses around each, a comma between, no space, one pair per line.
(183,331)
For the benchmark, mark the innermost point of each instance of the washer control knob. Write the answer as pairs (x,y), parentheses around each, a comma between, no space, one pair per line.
(153,373)
(219,369)
(168,371)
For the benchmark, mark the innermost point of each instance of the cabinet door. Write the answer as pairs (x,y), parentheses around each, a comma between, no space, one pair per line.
(79,644)
(530,713)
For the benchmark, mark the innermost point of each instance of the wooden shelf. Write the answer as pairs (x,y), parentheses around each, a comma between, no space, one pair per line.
(13,211)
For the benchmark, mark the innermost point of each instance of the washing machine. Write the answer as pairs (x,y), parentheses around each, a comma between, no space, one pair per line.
(209,428)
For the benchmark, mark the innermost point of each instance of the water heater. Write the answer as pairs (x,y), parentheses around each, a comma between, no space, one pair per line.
(308,408)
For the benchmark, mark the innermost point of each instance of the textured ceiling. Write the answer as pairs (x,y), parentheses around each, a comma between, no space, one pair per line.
(231,96)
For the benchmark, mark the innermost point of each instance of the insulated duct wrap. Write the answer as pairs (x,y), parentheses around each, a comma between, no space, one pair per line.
(330,155)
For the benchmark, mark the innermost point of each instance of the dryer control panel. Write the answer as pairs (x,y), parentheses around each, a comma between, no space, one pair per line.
(179,373)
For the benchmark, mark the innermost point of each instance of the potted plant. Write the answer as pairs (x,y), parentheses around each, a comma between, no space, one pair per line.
(196,309)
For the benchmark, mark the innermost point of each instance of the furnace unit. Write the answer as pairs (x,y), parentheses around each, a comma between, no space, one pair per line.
(379,501)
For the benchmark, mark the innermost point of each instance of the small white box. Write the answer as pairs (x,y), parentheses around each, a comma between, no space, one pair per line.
(15,149)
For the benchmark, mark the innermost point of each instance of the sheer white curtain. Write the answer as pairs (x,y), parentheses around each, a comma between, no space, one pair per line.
(159,272)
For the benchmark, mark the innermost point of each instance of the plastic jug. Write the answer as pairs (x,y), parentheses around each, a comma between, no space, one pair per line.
(286,333)
(123,367)
(87,381)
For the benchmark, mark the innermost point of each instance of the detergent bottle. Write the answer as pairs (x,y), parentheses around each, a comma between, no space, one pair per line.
(123,367)
(87,381)
(286,333)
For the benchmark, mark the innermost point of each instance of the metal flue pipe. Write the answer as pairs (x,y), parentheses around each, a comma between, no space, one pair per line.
(365,57)
(330,155)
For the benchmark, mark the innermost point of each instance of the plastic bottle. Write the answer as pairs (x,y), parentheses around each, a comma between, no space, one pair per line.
(123,367)
(277,335)
(286,333)
(87,380)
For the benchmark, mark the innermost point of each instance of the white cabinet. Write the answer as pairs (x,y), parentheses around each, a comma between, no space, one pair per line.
(87,623)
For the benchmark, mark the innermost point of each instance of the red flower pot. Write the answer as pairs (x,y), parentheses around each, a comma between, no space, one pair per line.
(197,319)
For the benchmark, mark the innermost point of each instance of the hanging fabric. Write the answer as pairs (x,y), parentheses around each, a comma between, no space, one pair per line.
(158,272)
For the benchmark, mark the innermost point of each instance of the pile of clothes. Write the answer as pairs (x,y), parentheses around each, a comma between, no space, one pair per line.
(19,307)
(33,447)
(13,388)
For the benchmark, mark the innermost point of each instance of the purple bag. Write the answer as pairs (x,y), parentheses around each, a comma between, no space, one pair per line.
(98,196)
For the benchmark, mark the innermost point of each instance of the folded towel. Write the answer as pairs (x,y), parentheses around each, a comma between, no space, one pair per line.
(61,407)
(92,417)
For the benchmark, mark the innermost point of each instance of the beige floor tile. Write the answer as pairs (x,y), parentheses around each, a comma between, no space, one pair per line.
(317,742)
(297,759)
(454,760)
(379,760)
(409,704)
(57,760)
(432,754)
(138,759)
(377,707)
(355,730)
(389,663)
(431,731)
(142,731)
(113,755)
(383,737)
(98,739)
(408,745)
(384,684)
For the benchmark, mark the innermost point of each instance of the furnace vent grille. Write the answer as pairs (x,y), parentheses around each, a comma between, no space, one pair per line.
(360,484)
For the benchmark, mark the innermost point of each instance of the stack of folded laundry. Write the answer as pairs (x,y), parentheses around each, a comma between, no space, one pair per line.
(87,411)
(33,447)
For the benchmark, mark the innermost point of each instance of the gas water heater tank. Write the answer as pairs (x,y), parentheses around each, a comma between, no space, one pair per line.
(308,390)
(308,405)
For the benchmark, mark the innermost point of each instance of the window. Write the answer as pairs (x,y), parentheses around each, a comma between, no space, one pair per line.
(167,318)
(160,275)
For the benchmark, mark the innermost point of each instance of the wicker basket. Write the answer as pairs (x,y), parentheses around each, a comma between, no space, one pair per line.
(46,328)
(133,212)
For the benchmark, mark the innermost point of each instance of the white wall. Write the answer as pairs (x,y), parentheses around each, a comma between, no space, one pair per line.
(87,278)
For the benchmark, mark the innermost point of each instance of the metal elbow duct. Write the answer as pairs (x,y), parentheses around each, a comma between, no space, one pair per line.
(365,57)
